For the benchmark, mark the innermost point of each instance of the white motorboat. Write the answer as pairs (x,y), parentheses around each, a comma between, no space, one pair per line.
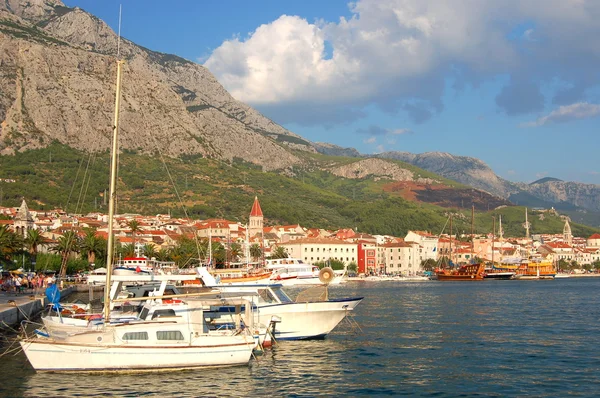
(294,271)
(311,315)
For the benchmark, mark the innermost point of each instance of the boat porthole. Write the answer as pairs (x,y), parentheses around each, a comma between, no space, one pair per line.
(99,338)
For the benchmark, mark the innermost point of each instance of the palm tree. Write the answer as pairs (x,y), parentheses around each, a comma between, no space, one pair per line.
(10,244)
(149,250)
(127,250)
(32,241)
(135,228)
(91,245)
(279,252)
(255,251)
(163,255)
(235,251)
(66,245)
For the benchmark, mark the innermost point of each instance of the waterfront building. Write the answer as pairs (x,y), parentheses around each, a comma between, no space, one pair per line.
(428,244)
(402,258)
(367,257)
(313,250)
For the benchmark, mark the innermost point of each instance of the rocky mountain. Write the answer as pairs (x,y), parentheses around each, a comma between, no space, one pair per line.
(466,170)
(583,196)
(335,150)
(57,79)
(57,83)
(546,192)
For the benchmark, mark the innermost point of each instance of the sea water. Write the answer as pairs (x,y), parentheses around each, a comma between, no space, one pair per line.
(432,339)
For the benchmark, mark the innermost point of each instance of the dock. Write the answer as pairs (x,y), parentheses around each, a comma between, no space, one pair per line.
(16,307)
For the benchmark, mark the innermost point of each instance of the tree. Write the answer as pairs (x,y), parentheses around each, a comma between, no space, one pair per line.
(331,263)
(149,250)
(185,253)
(66,245)
(163,255)
(91,245)
(32,241)
(563,265)
(279,252)
(352,267)
(10,244)
(127,250)
(134,226)
(255,251)
(235,252)
(429,264)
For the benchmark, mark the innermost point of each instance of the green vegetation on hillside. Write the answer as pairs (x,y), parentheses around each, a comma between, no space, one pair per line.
(59,176)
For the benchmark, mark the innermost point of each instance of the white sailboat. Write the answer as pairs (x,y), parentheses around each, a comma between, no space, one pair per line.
(159,344)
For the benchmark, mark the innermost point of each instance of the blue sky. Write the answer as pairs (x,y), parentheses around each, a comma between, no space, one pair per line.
(515,83)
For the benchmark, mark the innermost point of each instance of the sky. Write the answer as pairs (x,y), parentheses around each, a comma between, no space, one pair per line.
(515,83)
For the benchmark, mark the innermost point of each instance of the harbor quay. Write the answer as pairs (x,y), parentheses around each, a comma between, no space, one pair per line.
(17,307)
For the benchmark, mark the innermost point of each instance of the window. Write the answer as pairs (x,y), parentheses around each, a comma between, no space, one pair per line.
(135,336)
(163,313)
(169,335)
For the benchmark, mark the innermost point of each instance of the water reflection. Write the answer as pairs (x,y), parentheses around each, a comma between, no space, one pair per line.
(429,339)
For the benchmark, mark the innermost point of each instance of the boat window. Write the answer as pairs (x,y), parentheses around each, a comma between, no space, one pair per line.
(265,296)
(284,298)
(169,335)
(135,336)
(163,313)
(144,313)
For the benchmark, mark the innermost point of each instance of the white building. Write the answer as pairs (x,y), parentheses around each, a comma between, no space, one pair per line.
(428,244)
(313,250)
(402,258)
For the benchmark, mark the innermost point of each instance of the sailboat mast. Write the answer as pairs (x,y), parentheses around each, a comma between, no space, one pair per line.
(113,194)
(472,229)
(493,238)
(450,239)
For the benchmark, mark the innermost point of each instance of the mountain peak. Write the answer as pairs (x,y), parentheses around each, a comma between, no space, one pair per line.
(545,179)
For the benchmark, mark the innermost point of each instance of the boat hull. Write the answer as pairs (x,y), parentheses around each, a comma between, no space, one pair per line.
(500,275)
(47,355)
(306,320)
(470,272)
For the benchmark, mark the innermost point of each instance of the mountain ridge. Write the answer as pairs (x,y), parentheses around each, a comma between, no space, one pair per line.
(58,85)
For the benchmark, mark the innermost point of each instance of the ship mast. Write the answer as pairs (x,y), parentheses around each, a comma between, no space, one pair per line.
(472,228)
(450,239)
(113,183)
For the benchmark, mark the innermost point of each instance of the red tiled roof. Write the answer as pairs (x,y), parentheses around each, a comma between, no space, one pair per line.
(256,210)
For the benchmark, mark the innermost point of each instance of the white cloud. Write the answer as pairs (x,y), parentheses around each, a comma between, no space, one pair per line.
(400,132)
(370,140)
(398,53)
(565,113)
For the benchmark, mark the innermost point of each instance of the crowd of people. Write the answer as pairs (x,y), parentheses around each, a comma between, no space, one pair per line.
(19,283)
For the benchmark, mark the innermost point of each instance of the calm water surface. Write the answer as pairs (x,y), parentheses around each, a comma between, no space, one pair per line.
(439,339)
